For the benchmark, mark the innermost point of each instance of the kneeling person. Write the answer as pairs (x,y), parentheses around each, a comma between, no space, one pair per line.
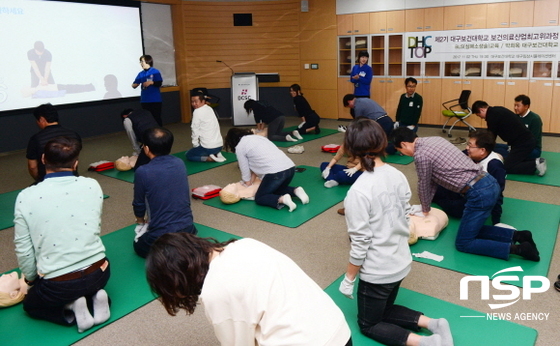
(206,137)
(161,192)
(57,227)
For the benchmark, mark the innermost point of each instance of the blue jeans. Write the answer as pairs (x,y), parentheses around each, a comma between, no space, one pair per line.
(46,299)
(475,237)
(387,126)
(337,174)
(144,244)
(378,316)
(201,154)
(273,186)
(503,149)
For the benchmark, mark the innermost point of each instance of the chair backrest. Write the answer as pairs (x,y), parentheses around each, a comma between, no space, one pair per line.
(464,99)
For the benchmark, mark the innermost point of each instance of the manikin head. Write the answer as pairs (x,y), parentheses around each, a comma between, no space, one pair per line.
(12,289)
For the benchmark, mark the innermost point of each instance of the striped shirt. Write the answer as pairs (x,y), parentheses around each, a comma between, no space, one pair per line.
(259,155)
(439,162)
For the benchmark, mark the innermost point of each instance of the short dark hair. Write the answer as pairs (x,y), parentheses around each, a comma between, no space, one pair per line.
(200,96)
(46,111)
(402,134)
(410,79)
(477,105)
(176,267)
(248,105)
(363,53)
(484,139)
(39,46)
(524,99)
(366,140)
(296,88)
(346,98)
(159,140)
(148,60)
(126,111)
(233,137)
(61,152)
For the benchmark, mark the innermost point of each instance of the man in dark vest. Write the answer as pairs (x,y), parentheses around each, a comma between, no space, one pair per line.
(135,123)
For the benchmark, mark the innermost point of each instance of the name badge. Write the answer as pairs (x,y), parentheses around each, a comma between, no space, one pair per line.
(411,104)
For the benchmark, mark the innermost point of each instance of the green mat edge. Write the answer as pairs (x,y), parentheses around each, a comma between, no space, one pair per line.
(306,137)
(546,180)
(216,203)
(430,306)
(55,335)
(506,264)
(7,215)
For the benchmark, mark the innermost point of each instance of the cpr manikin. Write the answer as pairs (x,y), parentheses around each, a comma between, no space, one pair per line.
(12,289)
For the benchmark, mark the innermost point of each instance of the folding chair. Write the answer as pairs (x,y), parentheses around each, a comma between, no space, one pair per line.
(459,109)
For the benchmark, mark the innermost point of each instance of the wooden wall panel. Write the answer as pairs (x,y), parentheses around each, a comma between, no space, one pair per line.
(270,45)
(318,44)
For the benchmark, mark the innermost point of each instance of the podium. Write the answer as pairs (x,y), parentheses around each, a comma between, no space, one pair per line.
(244,86)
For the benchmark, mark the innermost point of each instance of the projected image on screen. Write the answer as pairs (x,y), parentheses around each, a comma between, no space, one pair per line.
(64,52)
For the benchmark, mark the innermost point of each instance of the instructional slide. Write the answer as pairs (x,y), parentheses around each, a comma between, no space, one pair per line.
(66,52)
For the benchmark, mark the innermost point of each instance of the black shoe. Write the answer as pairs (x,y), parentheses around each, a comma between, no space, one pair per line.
(317,129)
(524,236)
(528,251)
(557,285)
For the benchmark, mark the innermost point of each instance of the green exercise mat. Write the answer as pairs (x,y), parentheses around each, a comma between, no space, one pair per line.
(552,176)
(320,197)
(398,159)
(540,218)
(466,331)
(127,288)
(306,138)
(192,167)
(7,202)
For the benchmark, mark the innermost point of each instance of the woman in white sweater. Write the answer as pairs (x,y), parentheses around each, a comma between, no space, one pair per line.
(377,205)
(259,157)
(251,293)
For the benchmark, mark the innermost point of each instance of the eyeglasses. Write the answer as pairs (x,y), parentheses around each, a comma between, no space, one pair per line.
(471,146)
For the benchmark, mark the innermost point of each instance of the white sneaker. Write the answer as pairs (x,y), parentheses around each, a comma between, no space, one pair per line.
(296,134)
(341,128)
(296,149)
(331,183)
(220,156)
(541,166)
(216,158)
(290,139)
